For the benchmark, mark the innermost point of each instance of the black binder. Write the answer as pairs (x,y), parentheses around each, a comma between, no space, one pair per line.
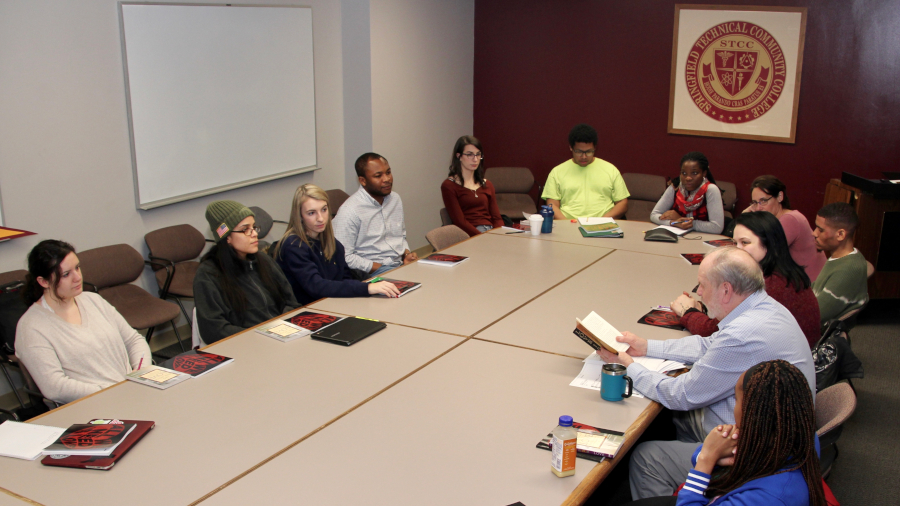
(349,331)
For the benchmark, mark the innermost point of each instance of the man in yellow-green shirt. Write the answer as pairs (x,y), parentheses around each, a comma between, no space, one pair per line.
(585,186)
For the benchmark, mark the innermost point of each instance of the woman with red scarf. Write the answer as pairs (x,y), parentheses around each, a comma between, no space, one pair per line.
(693,201)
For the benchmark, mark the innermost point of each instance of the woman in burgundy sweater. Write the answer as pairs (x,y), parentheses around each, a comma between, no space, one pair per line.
(760,234)
(468,196)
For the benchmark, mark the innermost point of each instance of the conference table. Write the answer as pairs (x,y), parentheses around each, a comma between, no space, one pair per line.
(444,406)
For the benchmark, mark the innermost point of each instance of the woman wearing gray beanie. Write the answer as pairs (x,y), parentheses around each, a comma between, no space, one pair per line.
(235,287)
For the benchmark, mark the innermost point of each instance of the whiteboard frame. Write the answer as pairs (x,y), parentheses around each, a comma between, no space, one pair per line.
(231,186)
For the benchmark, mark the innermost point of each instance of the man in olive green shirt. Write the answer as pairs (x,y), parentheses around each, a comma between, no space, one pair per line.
(585,186)
(841,286)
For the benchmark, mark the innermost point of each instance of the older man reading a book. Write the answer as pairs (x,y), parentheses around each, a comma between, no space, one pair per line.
(753,328)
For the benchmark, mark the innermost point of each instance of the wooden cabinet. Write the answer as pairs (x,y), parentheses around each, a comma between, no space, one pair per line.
(875,238)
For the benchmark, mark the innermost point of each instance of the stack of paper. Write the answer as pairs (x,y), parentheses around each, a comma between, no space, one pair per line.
(609,229)
(26,440)
(675,230)
(595,221)
(592,372)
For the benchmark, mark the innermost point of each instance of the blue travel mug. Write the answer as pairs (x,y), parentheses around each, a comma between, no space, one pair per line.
(612,383)
(547,213)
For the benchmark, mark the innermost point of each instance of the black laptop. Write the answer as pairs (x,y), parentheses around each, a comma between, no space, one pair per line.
(349,331)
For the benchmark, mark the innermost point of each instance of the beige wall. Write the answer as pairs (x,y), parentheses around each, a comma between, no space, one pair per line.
(65,165)
(422,80)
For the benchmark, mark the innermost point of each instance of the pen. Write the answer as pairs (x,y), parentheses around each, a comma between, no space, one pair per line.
(516,232)
(663,308)
(140,363)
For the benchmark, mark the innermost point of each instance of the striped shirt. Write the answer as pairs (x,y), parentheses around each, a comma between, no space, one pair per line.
(371,232)
(757,330)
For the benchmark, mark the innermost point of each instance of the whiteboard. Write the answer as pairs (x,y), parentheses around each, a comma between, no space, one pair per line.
(218,96)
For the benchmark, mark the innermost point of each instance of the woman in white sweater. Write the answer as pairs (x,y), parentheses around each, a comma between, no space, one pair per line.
(73,343)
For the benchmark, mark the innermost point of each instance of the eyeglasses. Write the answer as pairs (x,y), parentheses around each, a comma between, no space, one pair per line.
(578,152)
(474,156)
(761,202)
(248,231)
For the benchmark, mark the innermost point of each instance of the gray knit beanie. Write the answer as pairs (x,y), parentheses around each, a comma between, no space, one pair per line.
(224,215)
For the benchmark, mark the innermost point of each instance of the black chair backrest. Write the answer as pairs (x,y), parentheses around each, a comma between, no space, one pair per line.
(263,220)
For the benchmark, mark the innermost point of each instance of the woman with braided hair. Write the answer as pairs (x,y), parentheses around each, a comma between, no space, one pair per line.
(770,456)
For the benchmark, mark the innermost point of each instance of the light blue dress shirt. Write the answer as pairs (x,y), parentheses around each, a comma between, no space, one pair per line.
(759,329)
(371,232)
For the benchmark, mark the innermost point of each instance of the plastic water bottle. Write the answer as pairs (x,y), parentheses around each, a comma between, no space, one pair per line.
(547,213)
(563,448)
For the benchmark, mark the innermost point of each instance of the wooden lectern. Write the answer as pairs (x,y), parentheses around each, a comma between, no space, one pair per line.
(878,238)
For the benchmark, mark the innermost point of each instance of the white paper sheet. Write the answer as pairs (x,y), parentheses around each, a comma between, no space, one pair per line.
(595,221)
(26,440)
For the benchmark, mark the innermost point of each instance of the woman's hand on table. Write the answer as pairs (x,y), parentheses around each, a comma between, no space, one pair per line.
(670,215)
(683,303)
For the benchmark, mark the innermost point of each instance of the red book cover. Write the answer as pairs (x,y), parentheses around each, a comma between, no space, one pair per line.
(102,462)
(403,286)
(693,258)
(195,362)
(312,321)
(443,259)
(658,318)
(720,242)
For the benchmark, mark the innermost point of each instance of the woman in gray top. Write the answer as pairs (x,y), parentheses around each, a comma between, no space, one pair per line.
(693,201)
(73,343)
(235,287)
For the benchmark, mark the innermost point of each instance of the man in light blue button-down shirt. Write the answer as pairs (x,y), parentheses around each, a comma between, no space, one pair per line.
(753,328)
(370,223)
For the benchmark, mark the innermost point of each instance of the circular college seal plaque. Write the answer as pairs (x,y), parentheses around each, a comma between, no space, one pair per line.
(735,72)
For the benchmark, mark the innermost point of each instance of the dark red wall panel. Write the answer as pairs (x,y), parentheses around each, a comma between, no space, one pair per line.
(543,66)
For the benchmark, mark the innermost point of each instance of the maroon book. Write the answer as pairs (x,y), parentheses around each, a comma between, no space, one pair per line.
(443,259)
(404,286)
(693,258)
(312,321)
(658,318)
(719,243)
(195,362)
(102,462)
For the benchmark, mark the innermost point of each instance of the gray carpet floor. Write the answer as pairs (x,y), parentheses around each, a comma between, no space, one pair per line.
(867,470)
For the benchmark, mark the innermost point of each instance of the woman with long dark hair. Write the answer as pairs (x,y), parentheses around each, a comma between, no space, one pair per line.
(468,196)
(73,343)
(312,259)
(692,200)
(769,194)
(760,234)
(235,287)
(773,445)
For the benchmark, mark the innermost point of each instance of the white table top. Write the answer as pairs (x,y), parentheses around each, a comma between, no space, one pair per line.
(621,288)
(211,429)
(461,431)
(567,232)
(498,277)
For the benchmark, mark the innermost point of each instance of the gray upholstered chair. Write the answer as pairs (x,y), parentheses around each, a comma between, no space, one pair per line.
(336,199)
(729,197)
(173,254)
(109,271)
(512,185)
(834,405)
(645,190)
(446,236)
(445,217)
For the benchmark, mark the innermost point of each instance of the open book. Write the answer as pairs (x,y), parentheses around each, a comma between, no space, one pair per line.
(598,333)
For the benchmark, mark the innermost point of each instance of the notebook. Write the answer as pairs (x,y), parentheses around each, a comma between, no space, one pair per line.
(349,331)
